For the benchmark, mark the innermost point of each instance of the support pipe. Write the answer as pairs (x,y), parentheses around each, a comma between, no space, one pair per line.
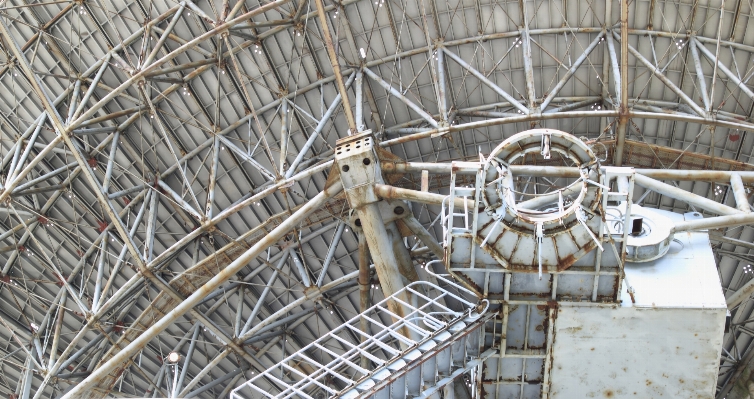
(390,192)
(465,65)
(395,93)
(712,223)
(381,248)
(189,303)
(685,196)
(739,192)
(424,236)
(330,253)
(363,291)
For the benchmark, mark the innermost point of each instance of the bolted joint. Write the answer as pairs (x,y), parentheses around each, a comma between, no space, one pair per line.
(312,292)
(359,168)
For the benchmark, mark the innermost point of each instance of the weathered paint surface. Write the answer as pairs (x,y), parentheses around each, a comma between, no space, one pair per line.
(665,344)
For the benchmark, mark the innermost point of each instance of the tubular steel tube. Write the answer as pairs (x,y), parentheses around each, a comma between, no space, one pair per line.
(441,86)
(214,383)
(685,196)
(25,154)
(265,292)
(741,294)
(571,71)
(100,274)
(110,162)
(622,128)
(83,350)
(699,74)
(182,308)
(359,89)
(739,192)
(675,89)
(395,93)
(424,236)
(38,123)
(385,262)
(363,290)
(470,168)
(732,76)
(198,377)
(714,222)
(187,362)
(283,135)
(210,204)
(303,273)
(486,81)
(92,87)
(614,64)
(549,198)
(390,192)
(330,253)
(164,36)
(320,126)
(332,54)
(58,327)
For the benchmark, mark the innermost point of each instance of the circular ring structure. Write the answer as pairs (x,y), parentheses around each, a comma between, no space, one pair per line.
(552,230)
(546,142)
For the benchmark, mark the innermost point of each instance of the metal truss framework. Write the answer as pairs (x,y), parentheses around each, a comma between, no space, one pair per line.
(165,166)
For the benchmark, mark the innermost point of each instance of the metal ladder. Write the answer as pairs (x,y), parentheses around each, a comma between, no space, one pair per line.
(468,228)
(446,344)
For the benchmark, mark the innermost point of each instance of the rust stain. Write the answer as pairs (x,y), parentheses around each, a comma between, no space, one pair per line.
(616,289)
(567,262)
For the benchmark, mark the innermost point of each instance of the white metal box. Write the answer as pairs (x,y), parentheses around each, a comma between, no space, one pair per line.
(665,343)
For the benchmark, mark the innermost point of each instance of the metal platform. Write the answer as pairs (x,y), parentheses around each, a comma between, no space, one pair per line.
(413,356)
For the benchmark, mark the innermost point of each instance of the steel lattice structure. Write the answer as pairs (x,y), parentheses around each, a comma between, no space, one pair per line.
(165,164)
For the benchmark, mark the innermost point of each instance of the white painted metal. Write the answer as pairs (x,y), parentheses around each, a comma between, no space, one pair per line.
(402,366)
(664,341)
(153,89)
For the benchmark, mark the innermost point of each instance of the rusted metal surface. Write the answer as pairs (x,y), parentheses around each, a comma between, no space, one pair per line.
(191,279)
(440,347)
(359,172)
(657,162)
(623,116)
(333,55)
(391,192)
(198,295)
(363,291)
(544,240)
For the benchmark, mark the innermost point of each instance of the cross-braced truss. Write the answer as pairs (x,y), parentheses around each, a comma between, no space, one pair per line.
(165,164)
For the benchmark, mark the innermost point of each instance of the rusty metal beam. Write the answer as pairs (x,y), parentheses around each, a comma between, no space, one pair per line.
(323,20)
(623,115)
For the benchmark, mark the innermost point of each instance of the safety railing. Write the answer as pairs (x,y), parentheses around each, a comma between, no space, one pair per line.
(352,356)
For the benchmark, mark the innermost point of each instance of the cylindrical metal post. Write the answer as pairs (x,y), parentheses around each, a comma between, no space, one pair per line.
(714,222)
(359,101)
(424,236)
(385,191)
(363,290)
(683,195)
(283,134)
(623,110)
(381,248)
(189,303)
(739,193)
(402,254)
(187,362)
(330,253)
(441,89)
